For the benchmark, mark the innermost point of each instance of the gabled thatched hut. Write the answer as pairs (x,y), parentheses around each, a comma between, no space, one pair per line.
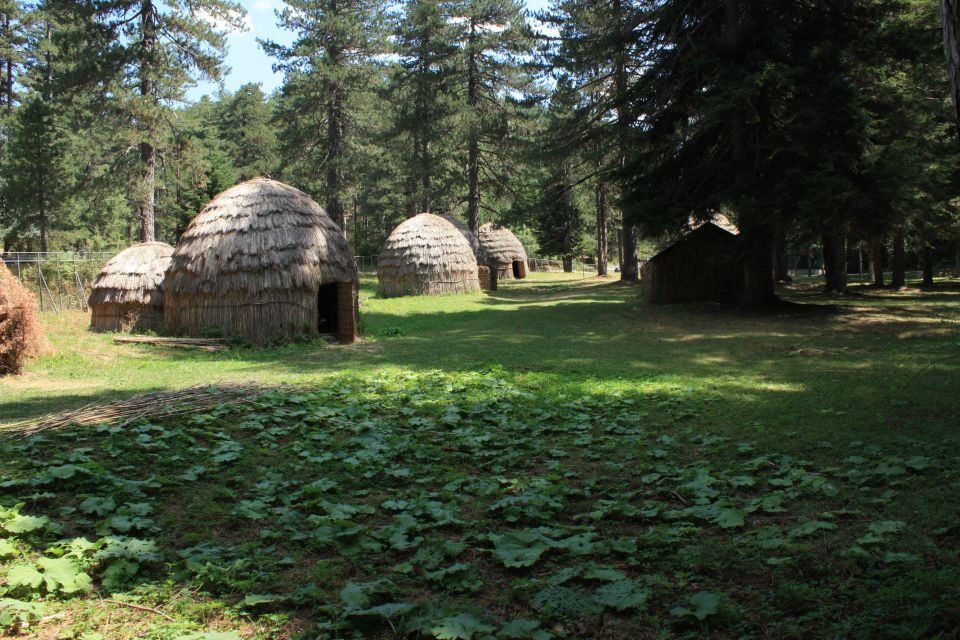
(702,266)
(426,255)
(504,252)
(127,294)
(262,260)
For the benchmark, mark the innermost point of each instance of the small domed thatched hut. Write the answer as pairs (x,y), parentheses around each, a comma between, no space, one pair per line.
(426,255)
(127,294)
(487,277)
(262,260)
(504,252)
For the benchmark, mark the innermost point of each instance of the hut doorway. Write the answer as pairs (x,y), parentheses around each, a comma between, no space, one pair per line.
(328,309)
(518,269)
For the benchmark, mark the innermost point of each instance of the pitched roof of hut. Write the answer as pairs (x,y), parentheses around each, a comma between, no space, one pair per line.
(469,236)
(717,219)
(426,244)
(709,232)
(500,244)
(260,235)
(133,276)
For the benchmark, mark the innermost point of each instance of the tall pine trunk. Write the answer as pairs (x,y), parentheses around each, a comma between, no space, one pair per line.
(628,267)
(148,154)
(928,257)
(781,273)
(956,262)
(757,267)
(950,15)
(899,262)
(876,262)
(834,262)
(473,159)
(334,177)
(601,199)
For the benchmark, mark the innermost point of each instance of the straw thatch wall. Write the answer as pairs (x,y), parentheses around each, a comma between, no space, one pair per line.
(256,262)
(20,336)
(127,294)
(426,255)
(702,266)
(504,252)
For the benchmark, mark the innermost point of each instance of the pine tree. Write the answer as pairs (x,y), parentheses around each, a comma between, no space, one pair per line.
(493,37)
(244,125)
(34,174)
(423,91)
(143,55)
(329,68)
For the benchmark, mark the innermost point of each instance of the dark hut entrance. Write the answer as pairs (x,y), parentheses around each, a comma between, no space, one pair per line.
(328,309)
(518,269)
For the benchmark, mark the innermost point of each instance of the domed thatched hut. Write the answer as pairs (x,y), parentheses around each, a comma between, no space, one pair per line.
(504,252)
(127,294)
(262,260)
(426,255)
(487,277)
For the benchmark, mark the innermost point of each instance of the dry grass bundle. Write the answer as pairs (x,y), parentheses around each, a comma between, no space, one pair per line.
(127,294)
(256,262)
(426,255)
(146,405)
(20,335)
(504,252)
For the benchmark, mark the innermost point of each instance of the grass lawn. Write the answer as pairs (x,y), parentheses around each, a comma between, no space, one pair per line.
(557,460)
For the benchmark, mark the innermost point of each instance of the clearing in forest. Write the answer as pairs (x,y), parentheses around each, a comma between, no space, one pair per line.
(558,460)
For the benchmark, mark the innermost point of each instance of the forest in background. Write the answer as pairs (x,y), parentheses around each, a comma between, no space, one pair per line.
(824,124)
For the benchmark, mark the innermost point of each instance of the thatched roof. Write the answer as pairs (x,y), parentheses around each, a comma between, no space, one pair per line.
(133,276)
(260,236)
(470,237)
(426,254)
(500,245)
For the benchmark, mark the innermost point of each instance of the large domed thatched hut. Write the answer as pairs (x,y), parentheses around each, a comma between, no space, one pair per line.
(127,294)
(426,255)
(504,252)
(262,260)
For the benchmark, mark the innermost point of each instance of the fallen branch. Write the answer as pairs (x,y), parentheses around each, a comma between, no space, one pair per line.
(141,608)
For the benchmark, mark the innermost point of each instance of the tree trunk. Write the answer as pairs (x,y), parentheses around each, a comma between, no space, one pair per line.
(758,286)
(834,262)
(334,177)
(568,264)
(898,264)
(473,159)
(956,263)
(781,273)
(628,267)
(927,257)
(950,15)
(148,154)
(8,64)
(601,199)
(876,262)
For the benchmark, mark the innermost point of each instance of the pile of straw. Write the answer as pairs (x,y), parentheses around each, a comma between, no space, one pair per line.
(20,335)
(127,294)
(426,255)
